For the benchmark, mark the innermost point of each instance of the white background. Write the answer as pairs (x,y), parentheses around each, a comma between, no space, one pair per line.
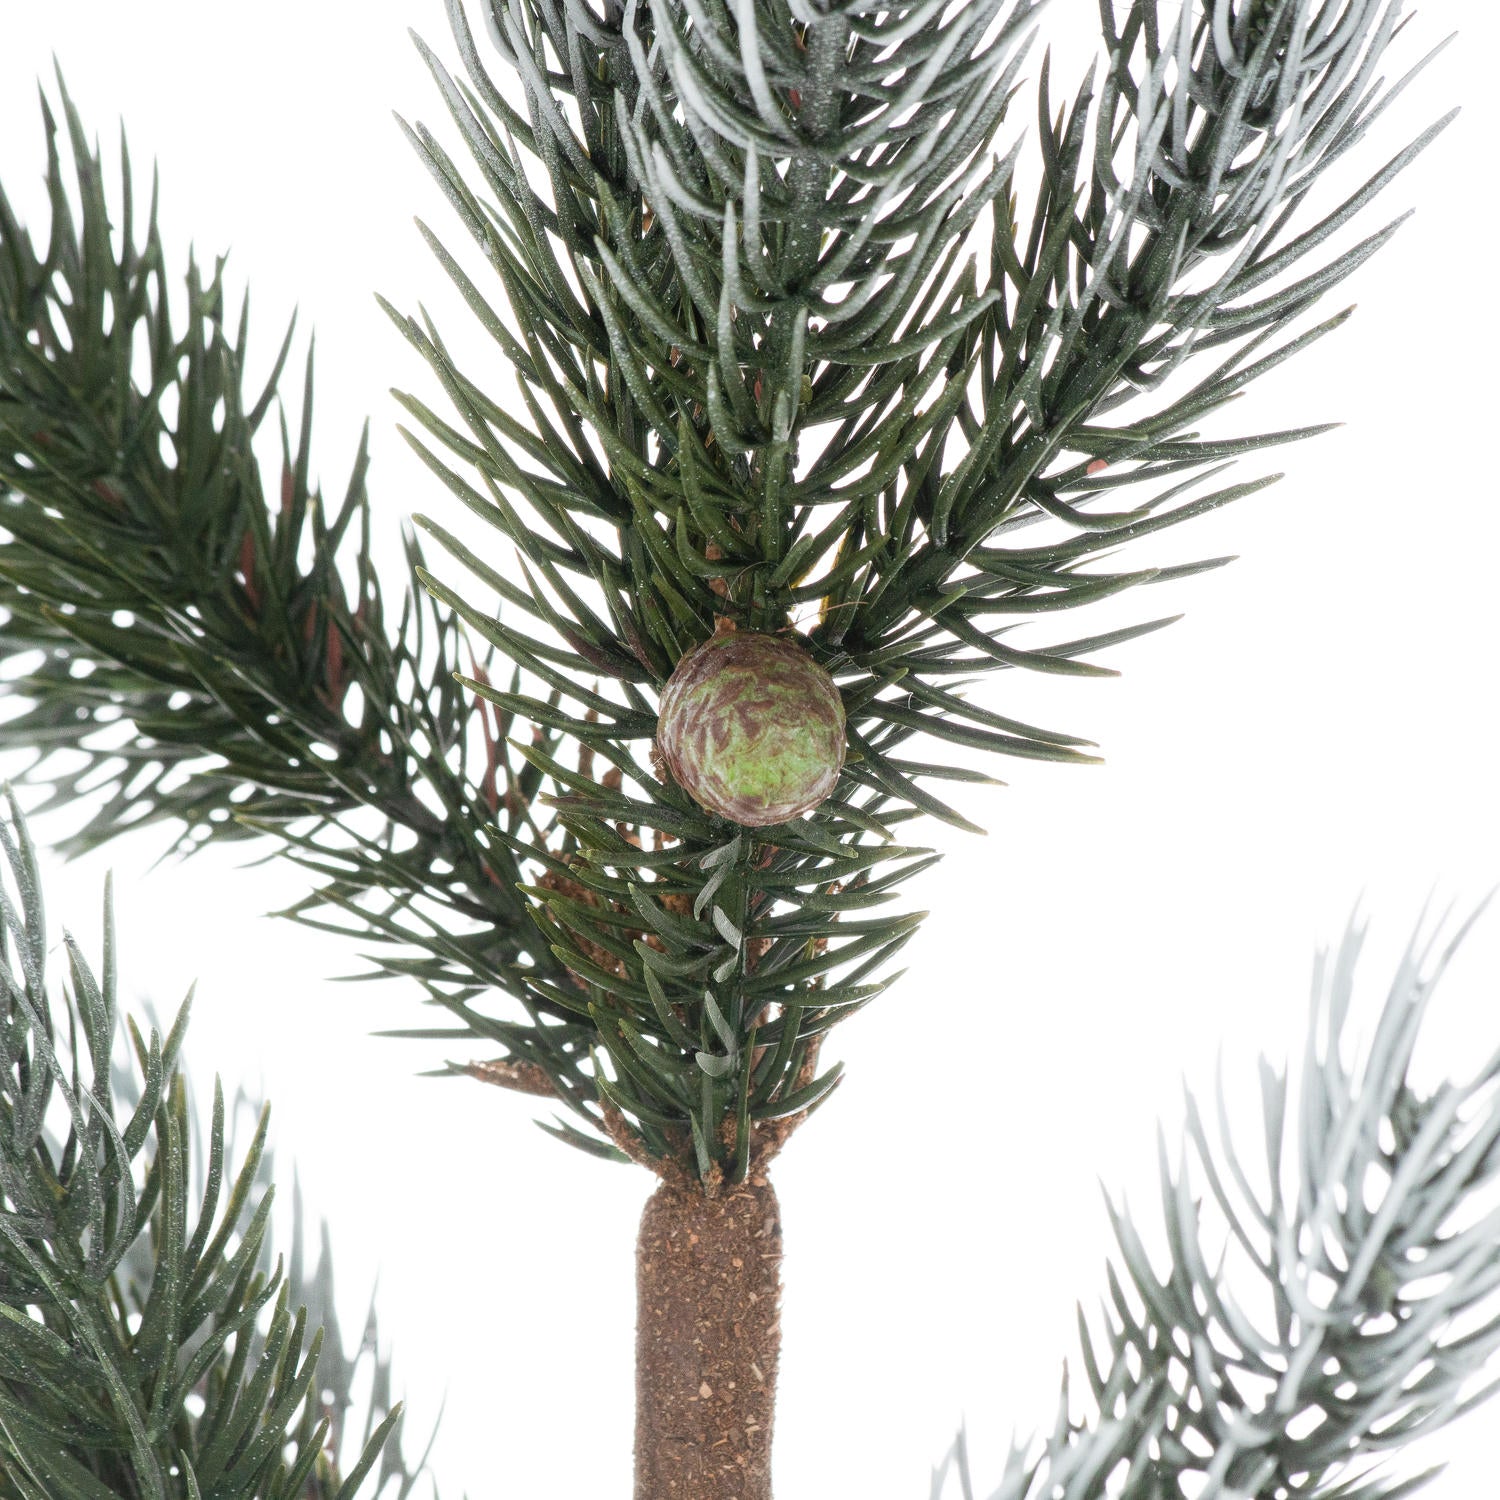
(1317,732)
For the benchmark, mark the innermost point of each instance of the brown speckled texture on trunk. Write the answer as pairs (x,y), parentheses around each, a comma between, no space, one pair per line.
(708,1332)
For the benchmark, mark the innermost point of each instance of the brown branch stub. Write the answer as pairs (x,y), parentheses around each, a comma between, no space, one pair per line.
(708,1342)
(620,1131)
(508,1073)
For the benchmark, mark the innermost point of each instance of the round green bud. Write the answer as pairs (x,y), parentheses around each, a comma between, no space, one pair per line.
(752,728)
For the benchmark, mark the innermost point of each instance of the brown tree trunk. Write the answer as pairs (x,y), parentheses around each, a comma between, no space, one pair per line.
(708,1333)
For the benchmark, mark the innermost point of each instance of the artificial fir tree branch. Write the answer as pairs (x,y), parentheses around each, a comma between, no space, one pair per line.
(148,1347)
(196,655)
(758,379)
(1367,1312)
(742,310)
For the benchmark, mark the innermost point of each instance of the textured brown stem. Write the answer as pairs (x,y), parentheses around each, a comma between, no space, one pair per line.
(523,1077)
(708,1333)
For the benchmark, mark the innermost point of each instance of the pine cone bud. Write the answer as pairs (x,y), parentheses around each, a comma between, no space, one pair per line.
(752,728)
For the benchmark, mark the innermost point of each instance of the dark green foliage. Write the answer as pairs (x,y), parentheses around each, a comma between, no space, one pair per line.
(788,351)
(148,1348)
(145,563)
(761,376)
(226,663)
(1366,1310)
